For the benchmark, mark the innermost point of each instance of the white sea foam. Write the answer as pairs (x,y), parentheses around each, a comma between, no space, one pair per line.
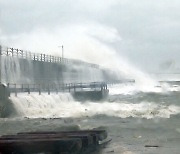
(63,105)
(133,88)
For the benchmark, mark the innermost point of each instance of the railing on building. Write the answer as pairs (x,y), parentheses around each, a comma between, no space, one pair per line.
(49,88)
(6,51)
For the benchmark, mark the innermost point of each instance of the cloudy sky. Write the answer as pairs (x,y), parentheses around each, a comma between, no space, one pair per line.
(144,32)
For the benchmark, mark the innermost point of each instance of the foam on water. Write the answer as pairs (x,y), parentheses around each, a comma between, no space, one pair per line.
(63,105)
(133,88)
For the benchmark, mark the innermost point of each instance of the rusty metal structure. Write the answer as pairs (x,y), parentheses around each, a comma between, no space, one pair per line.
(64,142)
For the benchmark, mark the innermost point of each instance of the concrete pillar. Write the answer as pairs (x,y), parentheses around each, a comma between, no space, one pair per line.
(0,61)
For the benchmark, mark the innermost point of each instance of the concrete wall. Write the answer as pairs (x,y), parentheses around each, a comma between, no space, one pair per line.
(17,70)
(4,94)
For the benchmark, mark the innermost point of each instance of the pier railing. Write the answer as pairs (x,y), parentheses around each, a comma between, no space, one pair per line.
(14,52)
(49,88)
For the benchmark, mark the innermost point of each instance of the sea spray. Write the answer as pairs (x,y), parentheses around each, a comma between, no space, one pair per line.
(10,68)
(91,42)
(63,105)
(16,70)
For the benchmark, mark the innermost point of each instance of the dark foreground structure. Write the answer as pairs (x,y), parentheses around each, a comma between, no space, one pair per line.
(64,142)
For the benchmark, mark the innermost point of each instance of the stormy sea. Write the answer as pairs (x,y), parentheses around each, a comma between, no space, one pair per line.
(138,119)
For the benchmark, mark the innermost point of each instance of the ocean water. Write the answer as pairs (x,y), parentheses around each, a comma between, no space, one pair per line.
(139,119)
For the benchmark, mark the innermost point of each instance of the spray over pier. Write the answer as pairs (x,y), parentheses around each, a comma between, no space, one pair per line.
(26,72)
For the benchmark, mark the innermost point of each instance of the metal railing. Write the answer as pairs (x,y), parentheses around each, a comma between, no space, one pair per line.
(13,52)
(68,87)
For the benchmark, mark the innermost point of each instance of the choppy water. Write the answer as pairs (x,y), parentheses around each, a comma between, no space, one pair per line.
(133,116)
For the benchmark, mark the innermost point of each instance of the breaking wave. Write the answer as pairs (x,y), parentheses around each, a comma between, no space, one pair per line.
(63,105)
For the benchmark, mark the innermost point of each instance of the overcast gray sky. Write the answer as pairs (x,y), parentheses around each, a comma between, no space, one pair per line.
(145,32)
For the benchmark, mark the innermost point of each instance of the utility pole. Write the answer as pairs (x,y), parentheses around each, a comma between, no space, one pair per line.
(62,50)
(62,74)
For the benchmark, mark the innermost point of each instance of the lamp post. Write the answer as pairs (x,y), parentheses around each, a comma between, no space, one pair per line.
(62,51)
(62,77)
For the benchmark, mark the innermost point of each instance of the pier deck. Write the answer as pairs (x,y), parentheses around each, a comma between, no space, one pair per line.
(92,90)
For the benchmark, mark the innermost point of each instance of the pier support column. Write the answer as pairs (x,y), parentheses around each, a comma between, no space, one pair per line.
(0,61)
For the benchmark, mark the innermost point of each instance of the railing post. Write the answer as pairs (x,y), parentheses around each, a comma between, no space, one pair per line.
(17,52)
(15,90)
(81,86)
(74,88)
(12,51)
(22,53)
(28,89)
(0,50)
(58,86)
(37,57)
(39,89)
(101,87)
(50,58)
(26,55)
(9,90)
(48,90)
(53,59)
(41,57)
(63,87)
(56,89)
(69,88)
(22,88)
(7,52)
